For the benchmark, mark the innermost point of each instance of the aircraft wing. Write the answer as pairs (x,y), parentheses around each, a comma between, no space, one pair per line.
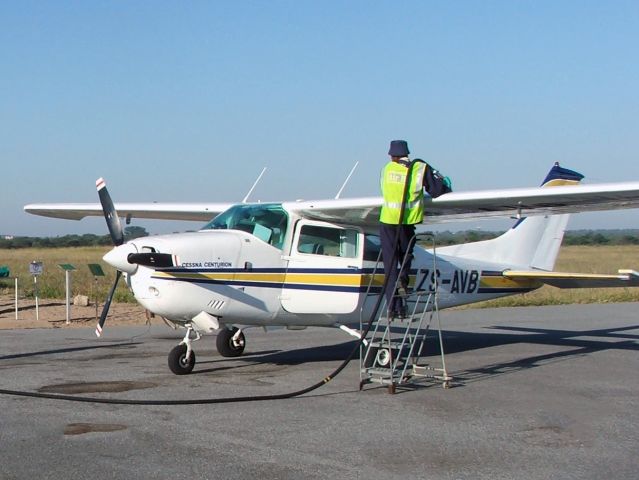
(202,212)
(459,206)
(455,206)
(625,278)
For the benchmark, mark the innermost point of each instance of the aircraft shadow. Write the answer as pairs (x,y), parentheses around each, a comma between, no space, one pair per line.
(572,343)
(328,353)
(455,342)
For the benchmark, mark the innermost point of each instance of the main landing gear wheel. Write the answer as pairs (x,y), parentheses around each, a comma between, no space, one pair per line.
(230,342)
(178,363)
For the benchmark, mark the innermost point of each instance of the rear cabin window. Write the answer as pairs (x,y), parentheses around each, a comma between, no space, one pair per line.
(372,248)
(334,242)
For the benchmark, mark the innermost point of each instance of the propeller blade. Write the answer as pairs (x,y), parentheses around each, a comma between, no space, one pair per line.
(107,305)
(153,260)
(111,216)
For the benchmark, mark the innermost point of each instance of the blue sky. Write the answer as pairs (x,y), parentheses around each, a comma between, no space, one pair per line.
(187,101)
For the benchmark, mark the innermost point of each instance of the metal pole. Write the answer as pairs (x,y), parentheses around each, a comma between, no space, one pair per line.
(35,282)
(96,298)
(16,297)
(67,282)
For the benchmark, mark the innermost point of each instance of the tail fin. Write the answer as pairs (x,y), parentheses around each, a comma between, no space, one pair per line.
(533,242)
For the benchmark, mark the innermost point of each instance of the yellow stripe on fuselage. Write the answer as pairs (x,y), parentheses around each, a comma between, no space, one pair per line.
(346,279)
(329,278)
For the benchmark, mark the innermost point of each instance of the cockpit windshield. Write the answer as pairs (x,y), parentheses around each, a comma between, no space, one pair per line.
(266,221)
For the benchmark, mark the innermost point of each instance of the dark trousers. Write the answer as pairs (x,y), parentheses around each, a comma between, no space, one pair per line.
(393,256)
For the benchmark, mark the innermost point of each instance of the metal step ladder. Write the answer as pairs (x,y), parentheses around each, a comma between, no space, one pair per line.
(393,351)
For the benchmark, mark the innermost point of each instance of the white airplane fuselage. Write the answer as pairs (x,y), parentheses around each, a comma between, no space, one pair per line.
(241,279)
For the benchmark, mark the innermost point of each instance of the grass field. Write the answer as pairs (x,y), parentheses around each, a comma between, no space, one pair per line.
(586,259)
(51,282)
(583,259)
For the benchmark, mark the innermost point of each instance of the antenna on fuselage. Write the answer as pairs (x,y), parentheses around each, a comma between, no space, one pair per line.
(346,181)
(253,187)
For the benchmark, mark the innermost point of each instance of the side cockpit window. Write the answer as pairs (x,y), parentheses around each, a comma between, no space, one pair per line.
(267,222)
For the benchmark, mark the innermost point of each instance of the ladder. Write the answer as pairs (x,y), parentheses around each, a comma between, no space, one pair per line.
(392,353)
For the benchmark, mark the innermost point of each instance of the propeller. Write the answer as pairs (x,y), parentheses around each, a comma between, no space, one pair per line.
(107,305)
(110,215)
(117,235)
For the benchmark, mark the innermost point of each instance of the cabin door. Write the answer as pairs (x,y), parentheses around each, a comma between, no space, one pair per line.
(324,272)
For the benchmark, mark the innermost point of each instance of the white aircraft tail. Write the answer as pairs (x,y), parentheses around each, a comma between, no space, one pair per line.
(532,243)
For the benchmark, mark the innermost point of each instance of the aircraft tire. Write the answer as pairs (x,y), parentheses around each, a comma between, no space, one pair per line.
(178,363)
(225,345)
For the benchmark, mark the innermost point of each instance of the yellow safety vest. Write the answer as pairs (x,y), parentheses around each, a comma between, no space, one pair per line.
(392,183)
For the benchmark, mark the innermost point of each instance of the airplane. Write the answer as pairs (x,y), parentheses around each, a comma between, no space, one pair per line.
(315,263)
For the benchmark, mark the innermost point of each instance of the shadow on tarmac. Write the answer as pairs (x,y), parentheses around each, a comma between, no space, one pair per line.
(328,353)
(64,350)
(573,343)
(24,308)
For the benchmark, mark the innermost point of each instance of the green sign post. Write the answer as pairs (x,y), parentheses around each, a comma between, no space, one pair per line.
(96,270)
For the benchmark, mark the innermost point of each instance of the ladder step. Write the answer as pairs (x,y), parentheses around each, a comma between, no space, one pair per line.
(386,344)
(408,318)
(420,292)
(382,372)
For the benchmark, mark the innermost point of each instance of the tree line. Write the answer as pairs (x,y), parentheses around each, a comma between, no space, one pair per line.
(572,237)
(85,240)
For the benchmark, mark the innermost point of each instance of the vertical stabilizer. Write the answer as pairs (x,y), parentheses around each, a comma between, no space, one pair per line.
(532,243)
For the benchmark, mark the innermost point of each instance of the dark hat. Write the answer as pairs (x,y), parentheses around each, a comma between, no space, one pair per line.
(398,148)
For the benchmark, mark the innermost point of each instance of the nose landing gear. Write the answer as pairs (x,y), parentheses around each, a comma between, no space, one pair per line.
(230,343)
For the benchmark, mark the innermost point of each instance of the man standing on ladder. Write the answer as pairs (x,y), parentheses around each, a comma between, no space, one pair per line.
(403,183)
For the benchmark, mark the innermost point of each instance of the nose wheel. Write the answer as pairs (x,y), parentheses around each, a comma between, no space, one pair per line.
(179,363)
(182,357)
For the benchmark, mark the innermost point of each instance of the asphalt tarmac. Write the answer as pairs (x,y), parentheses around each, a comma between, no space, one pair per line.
(539,393)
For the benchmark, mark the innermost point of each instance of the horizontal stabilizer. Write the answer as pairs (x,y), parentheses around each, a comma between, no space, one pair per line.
(625,278)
